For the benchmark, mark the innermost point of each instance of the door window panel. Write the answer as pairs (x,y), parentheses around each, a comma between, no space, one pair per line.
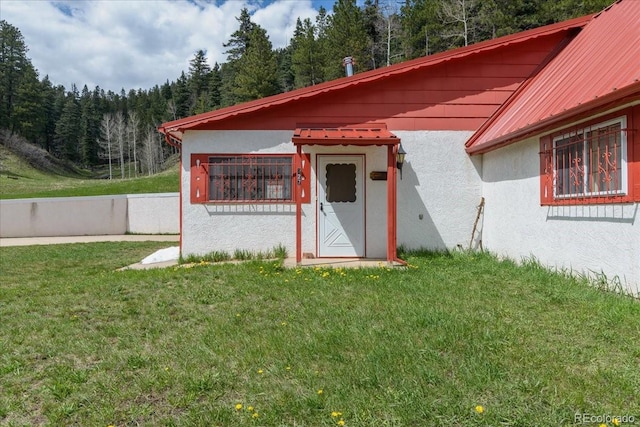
(341,182)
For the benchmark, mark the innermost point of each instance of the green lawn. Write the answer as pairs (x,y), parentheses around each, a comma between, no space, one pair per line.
(254,344)
(43,185)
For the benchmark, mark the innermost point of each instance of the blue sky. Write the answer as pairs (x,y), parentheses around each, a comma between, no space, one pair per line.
(136,44)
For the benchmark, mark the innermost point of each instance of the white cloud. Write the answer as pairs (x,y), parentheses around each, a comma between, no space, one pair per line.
(137,44)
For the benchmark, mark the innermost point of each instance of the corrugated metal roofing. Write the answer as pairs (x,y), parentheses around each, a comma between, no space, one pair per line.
(350,136)
(601,64)
(177,127)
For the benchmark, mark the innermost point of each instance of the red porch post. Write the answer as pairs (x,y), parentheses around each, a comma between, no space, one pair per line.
(391,203)
(298,185)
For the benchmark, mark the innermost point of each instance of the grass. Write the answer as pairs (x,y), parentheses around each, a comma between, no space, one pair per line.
(254,344)
(42,185)
(278,252)
(18,180)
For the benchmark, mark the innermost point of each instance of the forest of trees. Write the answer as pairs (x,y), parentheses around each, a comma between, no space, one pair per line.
(91,127)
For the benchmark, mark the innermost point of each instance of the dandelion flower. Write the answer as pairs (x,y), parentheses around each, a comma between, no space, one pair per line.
(336,414)
(255,415)
(341,422)
(260,371)
(602,425)
(320,391)
(288,368)
(615,421)
(238,406)
(479,409)
(250,408)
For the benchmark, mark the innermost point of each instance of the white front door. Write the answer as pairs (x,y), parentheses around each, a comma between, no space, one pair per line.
(340,206)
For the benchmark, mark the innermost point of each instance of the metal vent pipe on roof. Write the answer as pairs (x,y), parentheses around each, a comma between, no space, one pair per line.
(347,63)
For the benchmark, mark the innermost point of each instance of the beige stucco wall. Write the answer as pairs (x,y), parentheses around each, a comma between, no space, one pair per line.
(157,213)
(439,191)
(96,215)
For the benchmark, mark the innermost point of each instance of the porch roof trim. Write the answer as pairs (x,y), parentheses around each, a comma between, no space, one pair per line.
(344,136)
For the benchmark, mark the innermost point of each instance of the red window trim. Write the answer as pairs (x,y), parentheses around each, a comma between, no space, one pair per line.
(199,178)
(547,197)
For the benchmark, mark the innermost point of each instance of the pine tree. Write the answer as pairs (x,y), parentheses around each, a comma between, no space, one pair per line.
(13,64)
(285,72)
(227,78)
(68,130)
(322,56)
(305,60)
(239,41)
(346,36)
(49,112)
(181,97)
(90,127)
(156,108)
(237,47)
(198,80)
(28,113)
(417,16)
(257,74)
(215,87)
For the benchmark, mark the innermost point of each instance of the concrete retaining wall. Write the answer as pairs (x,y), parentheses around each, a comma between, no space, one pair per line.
(95,215)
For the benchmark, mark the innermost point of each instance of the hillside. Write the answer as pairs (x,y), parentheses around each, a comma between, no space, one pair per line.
(19,158)
(27,171)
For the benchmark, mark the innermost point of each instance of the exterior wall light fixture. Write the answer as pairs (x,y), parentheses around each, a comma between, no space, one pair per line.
(400,158)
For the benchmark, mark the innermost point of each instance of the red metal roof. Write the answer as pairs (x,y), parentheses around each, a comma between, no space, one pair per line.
(177,127)
(346,136)
(600,65)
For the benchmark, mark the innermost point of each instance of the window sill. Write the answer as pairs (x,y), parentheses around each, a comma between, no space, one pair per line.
(587,201)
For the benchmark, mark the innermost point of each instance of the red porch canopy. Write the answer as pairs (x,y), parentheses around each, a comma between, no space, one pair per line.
(344,136)
(361,136)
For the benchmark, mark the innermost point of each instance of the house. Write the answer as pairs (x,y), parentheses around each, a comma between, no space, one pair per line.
(506,121)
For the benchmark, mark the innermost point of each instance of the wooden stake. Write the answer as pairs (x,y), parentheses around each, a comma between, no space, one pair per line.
(475,224)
